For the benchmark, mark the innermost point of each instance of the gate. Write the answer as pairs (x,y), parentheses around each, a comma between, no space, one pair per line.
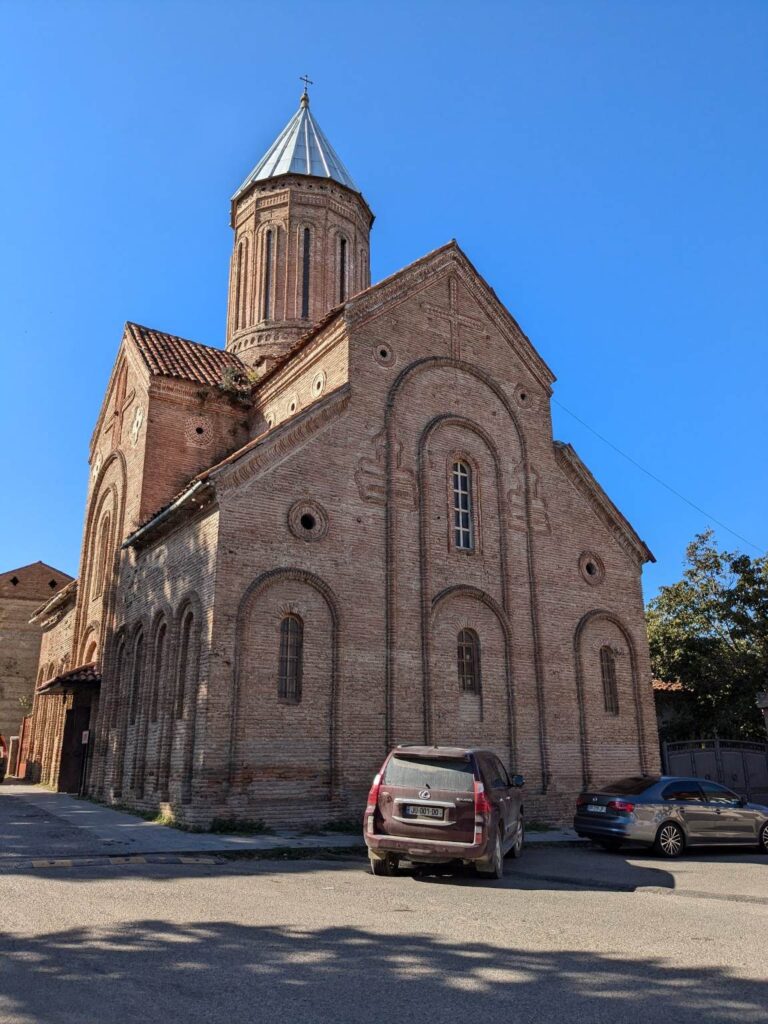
(742,765)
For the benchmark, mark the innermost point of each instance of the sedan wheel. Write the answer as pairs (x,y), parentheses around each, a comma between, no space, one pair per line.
(764,838)
(494,866)
(670,841)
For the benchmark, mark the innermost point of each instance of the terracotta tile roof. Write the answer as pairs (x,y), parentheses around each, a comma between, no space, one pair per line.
(166,355)
(660,686)
(80,674)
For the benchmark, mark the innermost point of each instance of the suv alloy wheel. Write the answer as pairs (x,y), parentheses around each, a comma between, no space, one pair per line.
(494,866)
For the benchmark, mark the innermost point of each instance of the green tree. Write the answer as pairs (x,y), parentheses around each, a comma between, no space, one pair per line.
(709,632)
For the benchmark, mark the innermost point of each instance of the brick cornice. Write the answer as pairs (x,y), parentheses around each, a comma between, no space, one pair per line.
(280,442)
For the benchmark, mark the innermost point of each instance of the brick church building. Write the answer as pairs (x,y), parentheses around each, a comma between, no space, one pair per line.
(349,528)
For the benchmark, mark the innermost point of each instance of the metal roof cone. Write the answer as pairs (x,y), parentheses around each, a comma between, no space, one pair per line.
(300,148)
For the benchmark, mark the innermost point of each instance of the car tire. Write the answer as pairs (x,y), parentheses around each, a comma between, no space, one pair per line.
(494,866)
(517,846)
(670,840)
(611,845)
(763,844)
(383,867)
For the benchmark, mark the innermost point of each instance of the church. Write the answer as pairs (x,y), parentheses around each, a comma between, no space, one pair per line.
(349,528)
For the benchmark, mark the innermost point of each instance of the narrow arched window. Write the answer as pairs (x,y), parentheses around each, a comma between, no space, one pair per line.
(462,506)
(291,651)
(119,683)
(238,287)
(610,688)
(469,661)
(138,671)
(342,269)
(305,274)
(181,676)
(267,297)
(158,670)
(102,560)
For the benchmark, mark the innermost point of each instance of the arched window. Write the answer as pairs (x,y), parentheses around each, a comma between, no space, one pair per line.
(91,651)
(462,506)
(305,273)
(469,661)
(181,677)
(342,269)
(291,644)
(267,295)
(119,681)
(610,688)
(138,671)
(102,560)
(158,669)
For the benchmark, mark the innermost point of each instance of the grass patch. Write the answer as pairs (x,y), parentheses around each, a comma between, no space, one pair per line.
(240,827)
(538,826)
(347,827)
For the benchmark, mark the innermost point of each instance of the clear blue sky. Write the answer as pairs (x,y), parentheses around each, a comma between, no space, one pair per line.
(604,164)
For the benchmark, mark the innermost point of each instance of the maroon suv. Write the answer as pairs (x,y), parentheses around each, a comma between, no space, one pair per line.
(430,805)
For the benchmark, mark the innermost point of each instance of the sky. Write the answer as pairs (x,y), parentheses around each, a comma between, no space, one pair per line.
(602,163)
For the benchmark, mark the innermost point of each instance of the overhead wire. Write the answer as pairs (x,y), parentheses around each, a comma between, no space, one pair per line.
(657,479)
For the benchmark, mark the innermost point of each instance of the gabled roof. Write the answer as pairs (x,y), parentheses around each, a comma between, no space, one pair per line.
(300,148)
(167,355)
(617,523)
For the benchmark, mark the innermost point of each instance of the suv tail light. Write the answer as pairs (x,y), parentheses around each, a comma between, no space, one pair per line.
(483,809)
(372,803)
(620,805)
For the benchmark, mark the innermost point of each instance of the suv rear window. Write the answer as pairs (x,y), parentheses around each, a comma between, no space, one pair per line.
(632,786)
(437,773)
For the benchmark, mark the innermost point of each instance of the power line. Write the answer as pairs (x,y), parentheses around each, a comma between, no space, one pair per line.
(653,476)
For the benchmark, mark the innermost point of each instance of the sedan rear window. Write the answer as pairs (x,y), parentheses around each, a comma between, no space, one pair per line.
(634,785)
(437,773)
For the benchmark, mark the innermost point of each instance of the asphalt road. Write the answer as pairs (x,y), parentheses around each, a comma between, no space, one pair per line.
(569,935)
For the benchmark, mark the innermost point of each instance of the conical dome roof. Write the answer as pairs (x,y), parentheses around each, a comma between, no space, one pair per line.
(300,148)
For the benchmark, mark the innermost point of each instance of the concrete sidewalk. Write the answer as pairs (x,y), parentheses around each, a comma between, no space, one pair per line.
(91,828)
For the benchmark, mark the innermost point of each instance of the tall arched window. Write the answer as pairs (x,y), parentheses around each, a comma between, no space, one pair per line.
(462,506)
(138,671)
(342,269)
(119,682)
(291,644)
(102,559)
(238,285)
(306,250)
(266,304)
(181,677)
(469,661)
(158,669)
(610,687)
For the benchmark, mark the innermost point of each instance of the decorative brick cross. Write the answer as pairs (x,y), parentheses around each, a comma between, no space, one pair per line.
(122,404)
(454,318)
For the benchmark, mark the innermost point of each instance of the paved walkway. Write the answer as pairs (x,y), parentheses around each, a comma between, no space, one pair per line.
(35,822)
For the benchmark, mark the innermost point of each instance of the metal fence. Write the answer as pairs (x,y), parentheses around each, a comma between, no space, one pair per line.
(739,764)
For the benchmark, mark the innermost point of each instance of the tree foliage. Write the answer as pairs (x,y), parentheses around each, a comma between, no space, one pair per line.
(709,632)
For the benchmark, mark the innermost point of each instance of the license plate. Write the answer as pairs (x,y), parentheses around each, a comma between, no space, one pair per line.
(417,811)
(596,808)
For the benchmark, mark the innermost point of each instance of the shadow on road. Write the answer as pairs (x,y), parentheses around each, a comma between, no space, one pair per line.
(217,972)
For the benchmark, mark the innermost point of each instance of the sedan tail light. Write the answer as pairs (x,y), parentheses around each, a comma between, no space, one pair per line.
(620,805)
(581,801)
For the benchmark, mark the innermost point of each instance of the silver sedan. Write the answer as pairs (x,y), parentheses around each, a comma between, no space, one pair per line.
(670,814)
